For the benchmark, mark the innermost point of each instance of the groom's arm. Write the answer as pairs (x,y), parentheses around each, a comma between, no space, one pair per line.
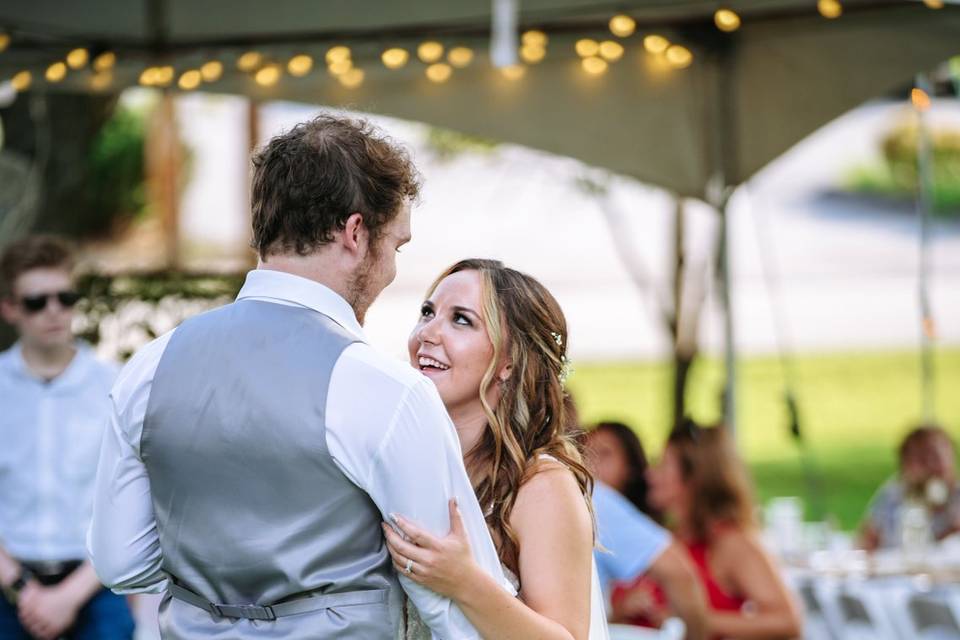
(122,541)
(397,443)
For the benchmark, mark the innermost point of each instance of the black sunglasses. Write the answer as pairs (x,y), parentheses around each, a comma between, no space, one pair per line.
(37,303)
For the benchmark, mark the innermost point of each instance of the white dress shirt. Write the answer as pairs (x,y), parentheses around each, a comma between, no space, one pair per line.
(50,436)
(386,429)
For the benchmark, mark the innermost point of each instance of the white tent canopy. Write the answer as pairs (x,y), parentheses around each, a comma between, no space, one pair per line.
(746,98)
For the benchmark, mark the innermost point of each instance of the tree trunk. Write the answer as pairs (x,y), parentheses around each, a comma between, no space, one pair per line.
(164,159)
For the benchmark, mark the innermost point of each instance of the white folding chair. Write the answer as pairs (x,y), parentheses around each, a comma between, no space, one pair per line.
(631,632)
(863,615)
(673,629)
(819,623)
(933,617)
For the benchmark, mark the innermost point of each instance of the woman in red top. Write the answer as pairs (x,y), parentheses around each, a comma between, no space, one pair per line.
(702,486)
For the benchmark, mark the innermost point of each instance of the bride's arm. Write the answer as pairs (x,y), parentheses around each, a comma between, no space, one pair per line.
(555,535)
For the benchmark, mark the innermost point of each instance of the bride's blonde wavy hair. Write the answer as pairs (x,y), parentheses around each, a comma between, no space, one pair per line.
(533,416)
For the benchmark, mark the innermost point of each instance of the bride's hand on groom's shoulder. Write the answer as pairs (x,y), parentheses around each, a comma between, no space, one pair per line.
(444,565)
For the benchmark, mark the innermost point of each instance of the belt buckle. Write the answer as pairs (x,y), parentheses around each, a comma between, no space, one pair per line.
(48,567)
(254,612)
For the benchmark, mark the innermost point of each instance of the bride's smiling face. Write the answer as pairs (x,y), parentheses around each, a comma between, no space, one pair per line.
(449,343)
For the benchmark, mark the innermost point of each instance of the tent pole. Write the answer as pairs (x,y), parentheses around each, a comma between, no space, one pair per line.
(723,122)
(925,195)
(729,404)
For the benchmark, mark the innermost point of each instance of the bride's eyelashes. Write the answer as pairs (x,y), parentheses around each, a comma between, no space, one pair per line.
(457,317)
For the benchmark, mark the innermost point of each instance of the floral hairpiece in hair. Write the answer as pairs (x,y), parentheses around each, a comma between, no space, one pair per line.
(565,368)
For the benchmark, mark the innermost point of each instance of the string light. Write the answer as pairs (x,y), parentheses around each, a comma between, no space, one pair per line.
(249,61)
(460,57)
(726,20)
(300,65)
(148,77)
(56,72)
(337,54)
(596,57)
(679,57)
(101,80)
(920,99)
(21,81)
(611,51)
(340,67)
(190,80)
(829,9)
(104,61)
(655,44)
(395,58)
(4,41)
(533,38)
(164,75)
(594,65)
(77,59)
(532,53)
(352,78)
(439,72)
(513,71)
(586,47)
(430,51)
(268,76)
(211,71)
(622,26)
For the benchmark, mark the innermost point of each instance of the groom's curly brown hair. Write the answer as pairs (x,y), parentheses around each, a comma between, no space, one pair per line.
(309,180)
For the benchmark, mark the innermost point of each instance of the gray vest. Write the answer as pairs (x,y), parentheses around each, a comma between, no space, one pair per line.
(250,507)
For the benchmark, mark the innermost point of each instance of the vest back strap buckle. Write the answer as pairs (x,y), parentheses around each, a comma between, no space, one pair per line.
(308,602)
(248,611)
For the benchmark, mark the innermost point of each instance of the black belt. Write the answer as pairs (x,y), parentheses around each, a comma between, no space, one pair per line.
(48,573)
(308,602)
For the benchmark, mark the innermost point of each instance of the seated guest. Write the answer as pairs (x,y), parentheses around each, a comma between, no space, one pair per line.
(618,460)
(703,489)
(927,477)
(55,405)
(632,546)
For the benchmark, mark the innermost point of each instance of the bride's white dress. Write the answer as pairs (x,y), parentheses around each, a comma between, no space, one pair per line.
(415,629)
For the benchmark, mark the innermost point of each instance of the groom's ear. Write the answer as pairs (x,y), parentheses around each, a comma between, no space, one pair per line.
(355,234)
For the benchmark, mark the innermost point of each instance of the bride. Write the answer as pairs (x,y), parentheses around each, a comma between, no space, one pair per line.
(493,340)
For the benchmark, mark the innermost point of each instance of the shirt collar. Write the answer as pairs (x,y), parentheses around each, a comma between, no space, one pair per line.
(286,287)
(74,372)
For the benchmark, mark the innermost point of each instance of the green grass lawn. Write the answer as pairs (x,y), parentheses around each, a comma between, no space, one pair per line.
(854,410)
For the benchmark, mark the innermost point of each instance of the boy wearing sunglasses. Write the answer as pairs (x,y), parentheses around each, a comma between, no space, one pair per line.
(54,406)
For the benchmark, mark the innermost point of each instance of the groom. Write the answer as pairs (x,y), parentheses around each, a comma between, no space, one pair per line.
(255,449)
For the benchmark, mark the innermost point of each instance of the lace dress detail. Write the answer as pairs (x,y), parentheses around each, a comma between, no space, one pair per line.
(415,628)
